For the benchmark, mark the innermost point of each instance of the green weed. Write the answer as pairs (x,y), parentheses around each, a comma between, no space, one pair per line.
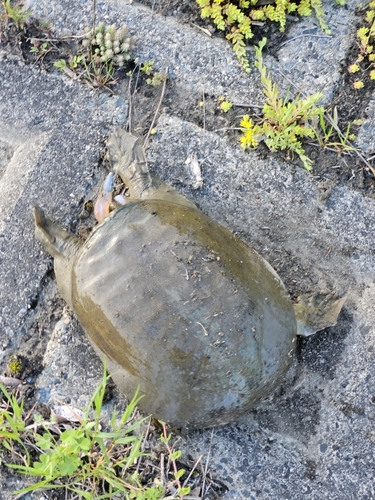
(146,67)
(225,105)
(12,424)
(105,49)
(284,122)
(15,365)
(16,14)
(60,64)
(155,78)
(107,44)
(366,47)
(329,134)
(84,458)
(39,48)
(236,18)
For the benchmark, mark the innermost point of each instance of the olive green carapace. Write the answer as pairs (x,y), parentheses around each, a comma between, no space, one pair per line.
(177,304)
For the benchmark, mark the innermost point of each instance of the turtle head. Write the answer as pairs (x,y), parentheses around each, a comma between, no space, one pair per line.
(62,246)
(127,159)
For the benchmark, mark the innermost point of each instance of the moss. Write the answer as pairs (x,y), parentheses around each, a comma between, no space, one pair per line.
(15,365)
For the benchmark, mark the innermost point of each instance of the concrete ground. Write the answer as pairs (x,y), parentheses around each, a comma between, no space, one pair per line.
(314,438)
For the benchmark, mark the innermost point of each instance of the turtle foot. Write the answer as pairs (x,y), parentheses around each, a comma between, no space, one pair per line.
(317,311)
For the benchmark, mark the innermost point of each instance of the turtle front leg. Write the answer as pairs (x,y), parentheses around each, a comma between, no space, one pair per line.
(317,311)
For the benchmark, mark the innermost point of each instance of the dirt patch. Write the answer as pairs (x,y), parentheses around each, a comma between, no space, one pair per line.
(45,310)
(322,352)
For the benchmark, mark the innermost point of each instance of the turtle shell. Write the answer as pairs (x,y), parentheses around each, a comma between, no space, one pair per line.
(182,308)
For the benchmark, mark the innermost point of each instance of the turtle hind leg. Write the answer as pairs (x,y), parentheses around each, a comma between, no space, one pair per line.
(54,239)
(317,311)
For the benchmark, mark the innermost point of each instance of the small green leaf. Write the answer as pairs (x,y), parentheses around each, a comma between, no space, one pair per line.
(183,491)
(175,455)
(226,106)
(353,68)
(179,473)
(165,440)
(69,465)
(60,64)
(45,442)
(358,84)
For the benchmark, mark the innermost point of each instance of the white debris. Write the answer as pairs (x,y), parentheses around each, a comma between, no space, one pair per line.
(194,170)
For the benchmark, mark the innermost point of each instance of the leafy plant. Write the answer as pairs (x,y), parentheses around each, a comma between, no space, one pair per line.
(366,52)
(74,62)
(173,456)
(39,48)
(285,122)
(358,84)
(109,45)
(16,14)
(60,64)
(155,78)
(224,104)
(236,17)
(15,365)
(84,458)
(147,67)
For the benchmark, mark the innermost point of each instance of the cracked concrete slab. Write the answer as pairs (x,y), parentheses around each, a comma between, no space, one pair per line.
(43,124)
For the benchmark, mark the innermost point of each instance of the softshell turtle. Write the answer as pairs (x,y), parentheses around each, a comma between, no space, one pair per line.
(176,303)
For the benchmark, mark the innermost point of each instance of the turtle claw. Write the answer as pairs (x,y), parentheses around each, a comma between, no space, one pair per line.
(44,232)
(317,311)
(41,224)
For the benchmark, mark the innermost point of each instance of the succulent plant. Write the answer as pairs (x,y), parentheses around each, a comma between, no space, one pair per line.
(109,44)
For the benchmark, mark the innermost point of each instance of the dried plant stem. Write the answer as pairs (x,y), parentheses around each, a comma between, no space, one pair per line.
(145,143)
(206,466)
(175,469)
